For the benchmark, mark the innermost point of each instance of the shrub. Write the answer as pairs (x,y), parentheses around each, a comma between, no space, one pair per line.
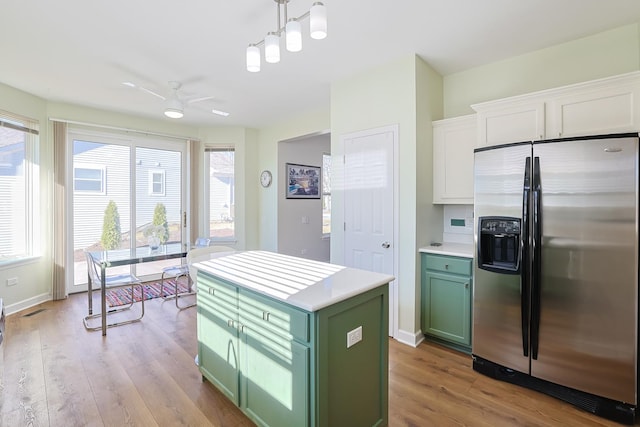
(160,219)
(111,234)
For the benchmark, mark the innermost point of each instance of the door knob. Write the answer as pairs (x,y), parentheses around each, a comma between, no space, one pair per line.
(386,245)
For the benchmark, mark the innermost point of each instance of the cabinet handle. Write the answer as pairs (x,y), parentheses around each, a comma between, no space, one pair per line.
(241,328)
(466,285)
(230,322)
(446,266)
(212,291)
(265,315)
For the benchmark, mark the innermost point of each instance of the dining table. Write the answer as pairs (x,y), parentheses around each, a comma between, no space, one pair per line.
(119,257)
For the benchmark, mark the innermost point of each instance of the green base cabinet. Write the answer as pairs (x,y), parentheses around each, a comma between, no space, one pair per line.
(284,366)
(446,300)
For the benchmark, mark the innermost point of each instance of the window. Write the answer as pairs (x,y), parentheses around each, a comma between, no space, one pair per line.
(18,187)
(326,194)
(88,178)
(156,182)
(220,191)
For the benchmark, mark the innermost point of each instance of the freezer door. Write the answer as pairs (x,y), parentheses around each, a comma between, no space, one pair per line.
(588,295)
(498,333)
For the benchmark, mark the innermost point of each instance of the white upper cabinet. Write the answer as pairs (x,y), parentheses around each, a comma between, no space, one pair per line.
(605,106)
(597,107)
(511,123)
(453,143)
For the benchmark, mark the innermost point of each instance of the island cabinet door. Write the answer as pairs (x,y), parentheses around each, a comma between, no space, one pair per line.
(218,337)
(275,367)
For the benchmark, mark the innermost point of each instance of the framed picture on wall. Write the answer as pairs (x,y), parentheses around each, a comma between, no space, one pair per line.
(303,182)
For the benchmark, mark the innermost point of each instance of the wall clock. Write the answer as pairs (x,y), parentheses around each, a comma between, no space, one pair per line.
(265,178)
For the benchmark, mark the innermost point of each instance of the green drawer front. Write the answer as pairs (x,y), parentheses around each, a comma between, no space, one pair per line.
(221,293)
(273,316)
(449,264)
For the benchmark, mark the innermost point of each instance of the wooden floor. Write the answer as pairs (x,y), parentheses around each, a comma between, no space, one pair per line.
(58,374)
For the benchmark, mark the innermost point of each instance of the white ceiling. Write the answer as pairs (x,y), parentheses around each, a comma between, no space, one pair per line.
(80,51)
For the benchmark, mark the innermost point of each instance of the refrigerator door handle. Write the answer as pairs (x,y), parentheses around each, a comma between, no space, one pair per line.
(536,259)
(524,256)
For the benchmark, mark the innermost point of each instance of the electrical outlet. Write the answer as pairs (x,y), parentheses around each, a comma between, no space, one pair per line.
(12,281)
(354,336)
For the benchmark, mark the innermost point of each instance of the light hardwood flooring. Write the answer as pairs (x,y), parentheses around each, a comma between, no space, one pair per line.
(55,373)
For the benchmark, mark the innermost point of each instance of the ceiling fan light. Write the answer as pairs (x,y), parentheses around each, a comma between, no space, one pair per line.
(253,58)
(318,21)
(272,48)
(294,35)
(173,113)
(174,108)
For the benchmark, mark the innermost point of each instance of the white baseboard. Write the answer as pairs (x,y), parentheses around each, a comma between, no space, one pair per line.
(28,303)
(409,338)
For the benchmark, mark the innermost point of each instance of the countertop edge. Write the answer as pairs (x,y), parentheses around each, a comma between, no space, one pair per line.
(451,249)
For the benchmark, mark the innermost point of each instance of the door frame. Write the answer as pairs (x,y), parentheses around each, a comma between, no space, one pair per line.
(393,286)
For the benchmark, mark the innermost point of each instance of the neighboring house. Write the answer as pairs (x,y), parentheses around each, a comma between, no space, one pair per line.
(101,173)
(222,186)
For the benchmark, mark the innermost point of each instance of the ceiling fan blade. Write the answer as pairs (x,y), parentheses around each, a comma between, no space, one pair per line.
(199,99)
(149,91)
(220,113)
(144,89)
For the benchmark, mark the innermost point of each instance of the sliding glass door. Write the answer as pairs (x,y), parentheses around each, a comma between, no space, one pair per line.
(124,190)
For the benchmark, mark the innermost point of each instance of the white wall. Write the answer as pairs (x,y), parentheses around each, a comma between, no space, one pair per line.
(295,237)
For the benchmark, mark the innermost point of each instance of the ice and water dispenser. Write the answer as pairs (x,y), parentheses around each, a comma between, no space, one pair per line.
(499,244)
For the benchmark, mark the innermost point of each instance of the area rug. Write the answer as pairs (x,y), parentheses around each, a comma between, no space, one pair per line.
(122,296)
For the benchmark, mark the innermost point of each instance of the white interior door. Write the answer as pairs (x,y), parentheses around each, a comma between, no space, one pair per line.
(369,177)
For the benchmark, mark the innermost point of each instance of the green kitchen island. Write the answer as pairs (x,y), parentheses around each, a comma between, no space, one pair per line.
(294,342)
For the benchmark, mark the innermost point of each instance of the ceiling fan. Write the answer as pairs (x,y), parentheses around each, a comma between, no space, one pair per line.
(174,103)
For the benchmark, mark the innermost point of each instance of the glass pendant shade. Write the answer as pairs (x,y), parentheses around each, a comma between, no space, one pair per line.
(272,48)
(318,21)
(294,35)
(253,58)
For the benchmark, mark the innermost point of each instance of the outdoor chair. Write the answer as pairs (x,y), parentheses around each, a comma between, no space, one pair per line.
(115,281)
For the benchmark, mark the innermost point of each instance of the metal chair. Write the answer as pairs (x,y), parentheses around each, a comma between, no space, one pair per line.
(175,272)
(113,282)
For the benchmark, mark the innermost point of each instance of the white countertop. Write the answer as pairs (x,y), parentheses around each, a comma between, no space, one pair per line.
(454,249)
(306,284)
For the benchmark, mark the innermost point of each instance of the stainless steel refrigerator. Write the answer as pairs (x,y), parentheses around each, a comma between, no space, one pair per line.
(555,298)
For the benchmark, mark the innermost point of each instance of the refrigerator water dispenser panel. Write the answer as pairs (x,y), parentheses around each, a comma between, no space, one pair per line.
(499,244)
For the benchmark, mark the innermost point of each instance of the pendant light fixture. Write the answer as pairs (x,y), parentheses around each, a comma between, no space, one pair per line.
(293,34)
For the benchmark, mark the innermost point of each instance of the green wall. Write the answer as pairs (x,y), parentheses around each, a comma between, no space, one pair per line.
(390,95)
(601,55)
(306,124)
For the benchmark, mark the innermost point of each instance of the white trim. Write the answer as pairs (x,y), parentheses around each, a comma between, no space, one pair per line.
(409,338)
(27,303)
(121,129)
